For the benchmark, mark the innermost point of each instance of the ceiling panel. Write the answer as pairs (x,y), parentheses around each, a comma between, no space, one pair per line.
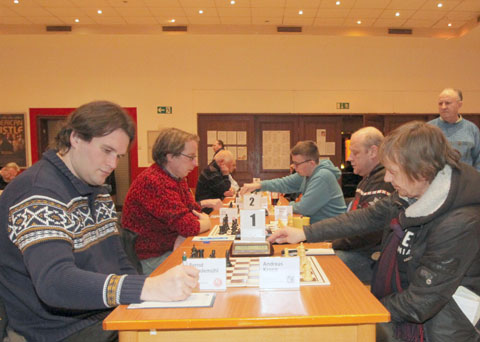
(373,13)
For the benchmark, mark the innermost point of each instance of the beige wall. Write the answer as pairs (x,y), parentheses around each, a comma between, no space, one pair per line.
(235,73)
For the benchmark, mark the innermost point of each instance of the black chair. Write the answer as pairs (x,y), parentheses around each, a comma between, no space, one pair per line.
(128,239)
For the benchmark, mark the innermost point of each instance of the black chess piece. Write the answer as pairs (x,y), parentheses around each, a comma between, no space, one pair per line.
(212,254)
(227,259)
(200,254)
(234,227)
(194,252)
(231,205)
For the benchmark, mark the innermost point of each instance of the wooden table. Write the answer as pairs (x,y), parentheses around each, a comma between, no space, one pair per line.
(343,311)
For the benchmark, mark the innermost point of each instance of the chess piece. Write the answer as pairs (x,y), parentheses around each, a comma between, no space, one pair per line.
(194,252)
(234,227)
(231,205)
(200,253)
(224,227)
(286,252)
(212,254)
(227,259)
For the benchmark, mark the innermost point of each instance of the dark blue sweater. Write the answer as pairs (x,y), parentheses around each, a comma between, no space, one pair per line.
(62,262)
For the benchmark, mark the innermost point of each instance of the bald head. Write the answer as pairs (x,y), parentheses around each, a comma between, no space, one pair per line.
(364,146)
(449,103)
(224,160)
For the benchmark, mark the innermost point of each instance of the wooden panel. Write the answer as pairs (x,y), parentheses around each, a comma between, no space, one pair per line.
(365,332)
(394,121)
(274,123)
(227,122)
(377,121)
(333,126)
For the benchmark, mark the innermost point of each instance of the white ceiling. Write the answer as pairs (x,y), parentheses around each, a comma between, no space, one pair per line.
(244,16)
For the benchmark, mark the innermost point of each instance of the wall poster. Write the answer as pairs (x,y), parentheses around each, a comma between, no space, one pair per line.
(12,139)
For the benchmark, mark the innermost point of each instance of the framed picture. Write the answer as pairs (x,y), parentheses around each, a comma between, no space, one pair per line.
(12,139)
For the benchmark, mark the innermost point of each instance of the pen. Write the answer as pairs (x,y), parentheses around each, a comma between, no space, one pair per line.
(184,257)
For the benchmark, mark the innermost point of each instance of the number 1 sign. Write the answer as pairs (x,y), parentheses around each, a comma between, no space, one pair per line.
(252,225)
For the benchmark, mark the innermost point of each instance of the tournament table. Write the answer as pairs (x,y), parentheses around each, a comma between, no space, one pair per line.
(345,310)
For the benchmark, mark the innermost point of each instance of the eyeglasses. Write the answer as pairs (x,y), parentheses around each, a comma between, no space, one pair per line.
(189,157)
(300,163)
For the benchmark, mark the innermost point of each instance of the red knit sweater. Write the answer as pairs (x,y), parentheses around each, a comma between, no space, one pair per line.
(159,208)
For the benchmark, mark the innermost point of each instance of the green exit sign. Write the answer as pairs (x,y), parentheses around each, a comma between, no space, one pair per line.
(343,105)
(164,110)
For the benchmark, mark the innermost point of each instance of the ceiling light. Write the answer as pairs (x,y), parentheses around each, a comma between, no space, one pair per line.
(300,12)
(77,20)
(16,1)
(397,14)
(359,22)
(232,2)
(439,5)
(201,11)
(449,24)
(338,3)
(172,20)
(99,12)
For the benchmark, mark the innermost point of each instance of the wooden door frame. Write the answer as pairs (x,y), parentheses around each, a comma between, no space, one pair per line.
(36,113)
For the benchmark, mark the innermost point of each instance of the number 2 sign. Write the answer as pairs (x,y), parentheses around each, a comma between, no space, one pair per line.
(252,201)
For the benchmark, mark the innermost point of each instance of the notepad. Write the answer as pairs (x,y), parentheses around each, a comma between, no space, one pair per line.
(469,303)
(196,300)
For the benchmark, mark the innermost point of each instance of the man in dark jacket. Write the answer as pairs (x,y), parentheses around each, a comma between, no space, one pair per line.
(356,251)
(214,181)
(431,235)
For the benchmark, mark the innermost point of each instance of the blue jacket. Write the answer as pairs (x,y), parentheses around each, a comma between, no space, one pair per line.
(322,196)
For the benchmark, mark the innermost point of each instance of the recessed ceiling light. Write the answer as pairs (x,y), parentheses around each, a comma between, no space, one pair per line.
(172,20)
(77,20)
(397,14)
(449,24)
(439,5)
(338,3)
(201,11)
(232,2)
(99,12)
(359,22)
(16,1)
(300,12)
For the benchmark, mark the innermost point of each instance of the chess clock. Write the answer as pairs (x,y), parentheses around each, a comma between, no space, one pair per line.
(251,249)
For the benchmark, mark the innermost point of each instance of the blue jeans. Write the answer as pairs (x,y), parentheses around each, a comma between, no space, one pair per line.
(359,262)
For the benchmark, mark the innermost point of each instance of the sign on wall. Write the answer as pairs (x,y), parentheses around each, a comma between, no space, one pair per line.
(12,139)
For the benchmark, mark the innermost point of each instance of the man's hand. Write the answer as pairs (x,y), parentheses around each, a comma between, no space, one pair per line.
(249,187)
(214,203)
(287,235)
(204,220)
(175,284)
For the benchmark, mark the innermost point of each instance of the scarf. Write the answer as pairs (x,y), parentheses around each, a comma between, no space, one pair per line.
(386,280)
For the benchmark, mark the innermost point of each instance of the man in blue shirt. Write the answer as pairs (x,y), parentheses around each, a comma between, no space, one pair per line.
(462,134)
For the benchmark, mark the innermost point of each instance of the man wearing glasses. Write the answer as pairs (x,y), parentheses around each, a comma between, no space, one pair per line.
(316,180)
(159,206)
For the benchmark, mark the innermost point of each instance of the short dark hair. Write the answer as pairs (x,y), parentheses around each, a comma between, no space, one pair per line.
(170,141)
(420,149)
(94,119)
(308,149)
(220,142)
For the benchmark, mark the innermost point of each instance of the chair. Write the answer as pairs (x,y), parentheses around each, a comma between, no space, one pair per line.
(128,239)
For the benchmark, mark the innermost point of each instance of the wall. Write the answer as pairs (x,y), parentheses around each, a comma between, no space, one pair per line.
(235,74)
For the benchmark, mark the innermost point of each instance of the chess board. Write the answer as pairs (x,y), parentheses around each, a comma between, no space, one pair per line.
(244,272)
(215,231)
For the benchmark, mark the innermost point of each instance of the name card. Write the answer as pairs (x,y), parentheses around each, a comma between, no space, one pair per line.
(231,213)
(213,273)
(279,273)
(252,225)
(282,212)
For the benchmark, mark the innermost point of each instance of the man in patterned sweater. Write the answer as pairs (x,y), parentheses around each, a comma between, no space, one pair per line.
(159,206)
(63,266)
(356,251)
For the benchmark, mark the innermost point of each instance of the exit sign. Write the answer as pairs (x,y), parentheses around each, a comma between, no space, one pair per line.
(343,105)
(164,110)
